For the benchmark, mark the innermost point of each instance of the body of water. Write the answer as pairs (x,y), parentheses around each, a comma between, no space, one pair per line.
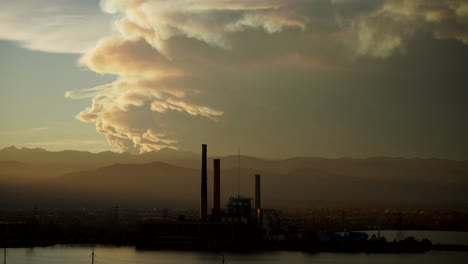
(129,255)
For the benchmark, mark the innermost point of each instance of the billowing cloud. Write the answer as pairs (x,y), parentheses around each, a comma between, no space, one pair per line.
(62,26)
(165,54)
(130,111)
(386,26)
(376,28)
(209,21)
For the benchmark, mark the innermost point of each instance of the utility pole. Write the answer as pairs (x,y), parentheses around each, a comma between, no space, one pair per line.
(92,257)
(4,255)
(343,220)
(117,214)
(238,173)
(378,227)
(400,232)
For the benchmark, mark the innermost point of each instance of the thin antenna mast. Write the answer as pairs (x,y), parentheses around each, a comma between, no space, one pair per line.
(238,172)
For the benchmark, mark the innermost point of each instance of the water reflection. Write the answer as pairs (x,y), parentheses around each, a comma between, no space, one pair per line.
(129,255)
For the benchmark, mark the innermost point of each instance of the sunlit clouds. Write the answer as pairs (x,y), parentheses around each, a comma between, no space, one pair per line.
(59,26)
(388,25)
(161,45)
(169,57)
(128,111)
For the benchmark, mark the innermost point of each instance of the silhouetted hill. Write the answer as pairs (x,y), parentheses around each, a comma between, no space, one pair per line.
(152,181)
(168,154)
(159,184)
(308,181)
(151,175)
(40,164)
(38,155)
(11,164)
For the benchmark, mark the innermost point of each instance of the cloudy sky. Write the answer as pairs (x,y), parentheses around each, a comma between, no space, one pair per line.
(279,78)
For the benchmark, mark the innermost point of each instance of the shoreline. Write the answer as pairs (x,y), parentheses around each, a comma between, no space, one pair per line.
(389,248)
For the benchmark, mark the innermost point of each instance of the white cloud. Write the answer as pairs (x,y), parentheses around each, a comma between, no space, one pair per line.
(156,48)
(162,45)
(53,26)
(130,111)
(390,24)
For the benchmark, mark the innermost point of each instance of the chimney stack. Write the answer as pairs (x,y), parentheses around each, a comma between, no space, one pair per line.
(257,192)
(204,193)
(216,185)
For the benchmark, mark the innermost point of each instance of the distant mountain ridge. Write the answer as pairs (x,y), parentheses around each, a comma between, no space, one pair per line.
(160,184)
(39,155)
(172,178)
(46,164)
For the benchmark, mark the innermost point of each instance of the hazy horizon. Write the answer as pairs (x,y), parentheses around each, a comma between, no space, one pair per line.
(172,178)
(233,153)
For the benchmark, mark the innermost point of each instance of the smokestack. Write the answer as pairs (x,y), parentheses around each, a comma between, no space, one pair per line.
(204,195)
(216,185)
(257,192)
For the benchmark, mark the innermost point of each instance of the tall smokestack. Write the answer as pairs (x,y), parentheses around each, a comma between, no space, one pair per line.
(216,185)
(257,192)
(204,194)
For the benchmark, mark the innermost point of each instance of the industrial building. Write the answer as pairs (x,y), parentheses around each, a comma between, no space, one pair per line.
(243,223)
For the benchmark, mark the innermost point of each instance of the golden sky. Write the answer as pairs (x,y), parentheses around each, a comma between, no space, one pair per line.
(279,78)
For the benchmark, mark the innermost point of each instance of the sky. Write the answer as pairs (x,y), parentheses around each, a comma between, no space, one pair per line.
(277,78)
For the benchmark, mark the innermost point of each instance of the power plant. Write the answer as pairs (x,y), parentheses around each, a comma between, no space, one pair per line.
(242,223)
(204,188)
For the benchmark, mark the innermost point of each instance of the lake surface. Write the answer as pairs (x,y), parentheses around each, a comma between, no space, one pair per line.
(128,255)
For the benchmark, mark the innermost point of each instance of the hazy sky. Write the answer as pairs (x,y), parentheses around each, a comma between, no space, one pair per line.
(279,78)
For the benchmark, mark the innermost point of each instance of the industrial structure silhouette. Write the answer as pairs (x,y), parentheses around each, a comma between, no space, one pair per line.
(242,223)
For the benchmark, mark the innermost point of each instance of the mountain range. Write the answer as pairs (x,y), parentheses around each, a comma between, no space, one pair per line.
(169,178)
